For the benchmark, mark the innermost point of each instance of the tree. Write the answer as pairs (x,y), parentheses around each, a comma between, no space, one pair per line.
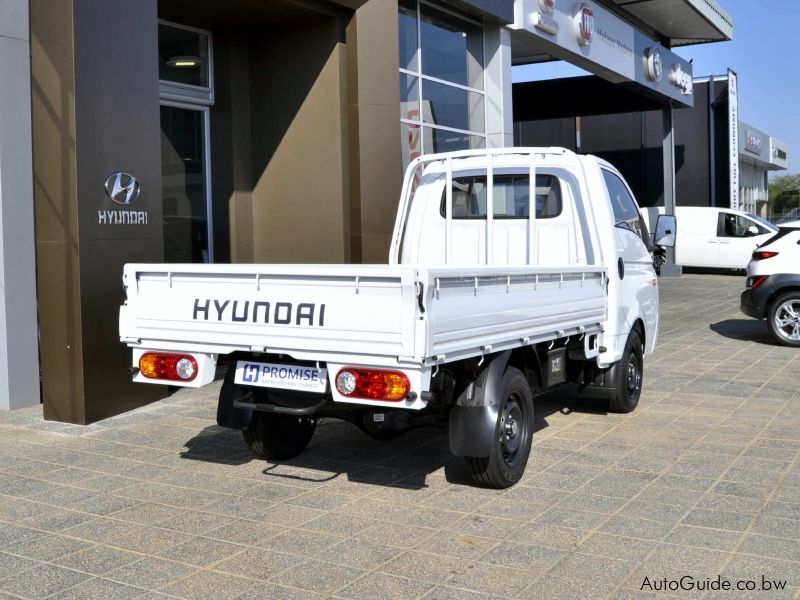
(783,193)
(783,183)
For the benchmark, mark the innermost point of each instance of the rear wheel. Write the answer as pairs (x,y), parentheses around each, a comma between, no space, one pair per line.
(279,437)
(513,435)
(628,384)
(784,319)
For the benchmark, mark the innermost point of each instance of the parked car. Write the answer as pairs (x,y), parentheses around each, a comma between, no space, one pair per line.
(480,308)
(716,238)
(773,286)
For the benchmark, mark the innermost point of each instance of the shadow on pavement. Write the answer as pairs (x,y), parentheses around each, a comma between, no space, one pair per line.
(340,449)
(744,330)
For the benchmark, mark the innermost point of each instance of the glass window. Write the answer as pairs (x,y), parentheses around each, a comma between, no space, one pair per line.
(183,56)
(442,140)
(441,81)
(408,35)
(510,198)
(452,48)
(411,136)
(183,185)
(452,107)
(409,97)
(626,214)
(733,225)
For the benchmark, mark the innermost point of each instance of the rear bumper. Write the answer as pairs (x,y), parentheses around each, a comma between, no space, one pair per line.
(750,305)
(755,302)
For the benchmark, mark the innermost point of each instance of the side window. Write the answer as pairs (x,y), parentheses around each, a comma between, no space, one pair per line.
(737,226)
(510,200)
(626,214)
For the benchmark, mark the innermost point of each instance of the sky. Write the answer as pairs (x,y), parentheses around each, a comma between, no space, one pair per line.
(764,52)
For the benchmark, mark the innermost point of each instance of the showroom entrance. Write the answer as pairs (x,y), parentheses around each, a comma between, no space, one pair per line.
(186,93)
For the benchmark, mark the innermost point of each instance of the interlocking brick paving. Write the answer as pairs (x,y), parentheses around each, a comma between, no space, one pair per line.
(702,479)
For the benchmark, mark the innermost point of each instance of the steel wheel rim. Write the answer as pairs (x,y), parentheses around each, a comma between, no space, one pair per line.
(787,320)
(513,429)
(634,377)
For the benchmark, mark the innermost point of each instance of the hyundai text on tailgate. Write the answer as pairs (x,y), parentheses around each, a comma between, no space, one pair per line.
(511,271)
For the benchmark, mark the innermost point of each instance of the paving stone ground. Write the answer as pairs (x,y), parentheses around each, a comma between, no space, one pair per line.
(701,480)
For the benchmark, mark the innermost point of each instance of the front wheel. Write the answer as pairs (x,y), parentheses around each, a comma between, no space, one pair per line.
(279,437)
(659,260)
(784,319)
(628,380)
(513,435)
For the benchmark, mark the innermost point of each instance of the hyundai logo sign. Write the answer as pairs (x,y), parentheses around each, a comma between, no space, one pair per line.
(122,188)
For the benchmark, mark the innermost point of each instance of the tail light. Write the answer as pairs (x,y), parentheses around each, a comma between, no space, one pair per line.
(763,255)
(372,384)
(754,282)
(173,367)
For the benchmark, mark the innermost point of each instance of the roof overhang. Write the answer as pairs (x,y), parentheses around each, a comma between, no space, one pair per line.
(680,22)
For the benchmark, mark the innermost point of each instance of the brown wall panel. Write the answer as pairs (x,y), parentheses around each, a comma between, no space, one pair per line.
(298,124)
(374,128)
(107,385)
(53,106)
(55,198)
(95,111)
(61,343)
(118,129)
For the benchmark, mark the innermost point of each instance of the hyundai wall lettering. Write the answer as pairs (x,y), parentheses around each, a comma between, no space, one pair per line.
(122,188)
(583,22)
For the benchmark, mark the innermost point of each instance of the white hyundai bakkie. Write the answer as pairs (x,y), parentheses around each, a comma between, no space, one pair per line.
(492,294)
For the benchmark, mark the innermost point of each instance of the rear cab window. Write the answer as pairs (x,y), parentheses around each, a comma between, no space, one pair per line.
(510,197)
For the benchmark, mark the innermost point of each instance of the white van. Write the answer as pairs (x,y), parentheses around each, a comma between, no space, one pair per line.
(715,237)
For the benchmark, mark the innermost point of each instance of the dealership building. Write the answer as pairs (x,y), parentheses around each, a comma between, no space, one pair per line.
(719,159)
(263,132)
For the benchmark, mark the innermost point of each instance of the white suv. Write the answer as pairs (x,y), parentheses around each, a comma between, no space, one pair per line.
(773,285)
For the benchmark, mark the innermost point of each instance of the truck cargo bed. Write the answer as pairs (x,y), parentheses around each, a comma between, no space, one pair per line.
(368,314)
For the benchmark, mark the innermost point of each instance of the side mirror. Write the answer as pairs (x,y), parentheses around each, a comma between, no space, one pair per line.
(666,227)
(752,230)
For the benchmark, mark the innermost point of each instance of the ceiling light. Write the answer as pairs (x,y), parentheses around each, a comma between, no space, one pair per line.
(184,61)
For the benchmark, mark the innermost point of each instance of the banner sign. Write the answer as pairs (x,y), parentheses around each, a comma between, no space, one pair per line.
(733,137)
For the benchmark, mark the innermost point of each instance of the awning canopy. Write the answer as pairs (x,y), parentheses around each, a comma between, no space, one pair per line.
(681,22)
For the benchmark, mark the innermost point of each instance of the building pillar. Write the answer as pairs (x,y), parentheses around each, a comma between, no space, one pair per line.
(374,143)
(670,269)
(94,70)
(19,353)
(499,108)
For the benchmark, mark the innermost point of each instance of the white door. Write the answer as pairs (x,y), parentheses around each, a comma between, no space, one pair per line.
(638,294)
(737,237)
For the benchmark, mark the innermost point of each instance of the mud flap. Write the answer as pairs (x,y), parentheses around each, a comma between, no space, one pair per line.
(229,415)
(473,419)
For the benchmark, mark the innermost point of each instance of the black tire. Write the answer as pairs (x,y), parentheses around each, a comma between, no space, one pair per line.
(658,262)
(513,435)
(629,377)
(279,437)
(783,319)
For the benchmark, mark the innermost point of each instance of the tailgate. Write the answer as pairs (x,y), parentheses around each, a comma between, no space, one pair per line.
(328,309)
